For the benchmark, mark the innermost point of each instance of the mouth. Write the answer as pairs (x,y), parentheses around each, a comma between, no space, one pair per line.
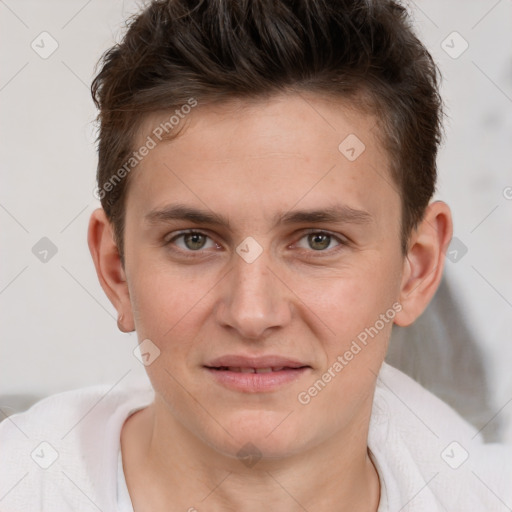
(242,369)
(234,362)
(255,375)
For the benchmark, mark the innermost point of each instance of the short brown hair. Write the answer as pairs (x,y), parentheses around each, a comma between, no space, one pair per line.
(215,51)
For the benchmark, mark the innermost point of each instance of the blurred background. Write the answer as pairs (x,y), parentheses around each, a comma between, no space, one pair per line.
(58,330)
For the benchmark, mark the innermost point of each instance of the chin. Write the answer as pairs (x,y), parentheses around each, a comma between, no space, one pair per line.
(261,434)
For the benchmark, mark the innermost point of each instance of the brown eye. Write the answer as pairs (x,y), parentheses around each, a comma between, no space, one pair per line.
(194,241)
(319,241)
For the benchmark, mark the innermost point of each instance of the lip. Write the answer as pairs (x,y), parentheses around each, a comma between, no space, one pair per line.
(289,371)
(240,361)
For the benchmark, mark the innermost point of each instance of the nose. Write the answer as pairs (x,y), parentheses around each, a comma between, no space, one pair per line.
(253,300)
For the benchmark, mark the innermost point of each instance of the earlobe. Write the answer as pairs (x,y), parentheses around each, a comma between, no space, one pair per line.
(424,262)
(109,268)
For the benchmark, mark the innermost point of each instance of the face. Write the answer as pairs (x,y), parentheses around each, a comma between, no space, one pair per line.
(260,237)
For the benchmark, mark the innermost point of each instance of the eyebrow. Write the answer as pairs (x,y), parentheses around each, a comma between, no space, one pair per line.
(183,212)
(332,214)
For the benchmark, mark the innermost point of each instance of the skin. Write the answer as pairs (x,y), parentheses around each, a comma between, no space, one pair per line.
(251,162)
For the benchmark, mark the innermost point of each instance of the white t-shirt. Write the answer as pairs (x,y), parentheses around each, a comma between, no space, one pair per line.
(63,454)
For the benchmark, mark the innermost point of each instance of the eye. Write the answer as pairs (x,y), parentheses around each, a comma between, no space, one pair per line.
(319,241)
(192,241)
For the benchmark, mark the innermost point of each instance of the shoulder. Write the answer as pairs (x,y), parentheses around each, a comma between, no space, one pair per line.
(419,442)
(83,411)
(63,450)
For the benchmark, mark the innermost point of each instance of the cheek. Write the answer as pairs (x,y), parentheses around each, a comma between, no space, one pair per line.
(165,299)
(359,308)
(169,312)
(349,301)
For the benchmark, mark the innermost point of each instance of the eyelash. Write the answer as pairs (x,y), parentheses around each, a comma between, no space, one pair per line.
(342,242)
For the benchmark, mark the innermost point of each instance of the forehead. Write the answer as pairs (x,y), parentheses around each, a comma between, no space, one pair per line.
(319,117)
(266,154)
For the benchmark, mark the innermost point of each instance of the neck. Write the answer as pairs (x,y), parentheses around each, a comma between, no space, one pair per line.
(168,468)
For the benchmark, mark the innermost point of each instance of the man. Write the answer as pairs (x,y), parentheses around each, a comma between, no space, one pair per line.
(265,172)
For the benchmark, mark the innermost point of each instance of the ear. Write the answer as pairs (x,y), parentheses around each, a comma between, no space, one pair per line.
(109,268)
(424,262)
